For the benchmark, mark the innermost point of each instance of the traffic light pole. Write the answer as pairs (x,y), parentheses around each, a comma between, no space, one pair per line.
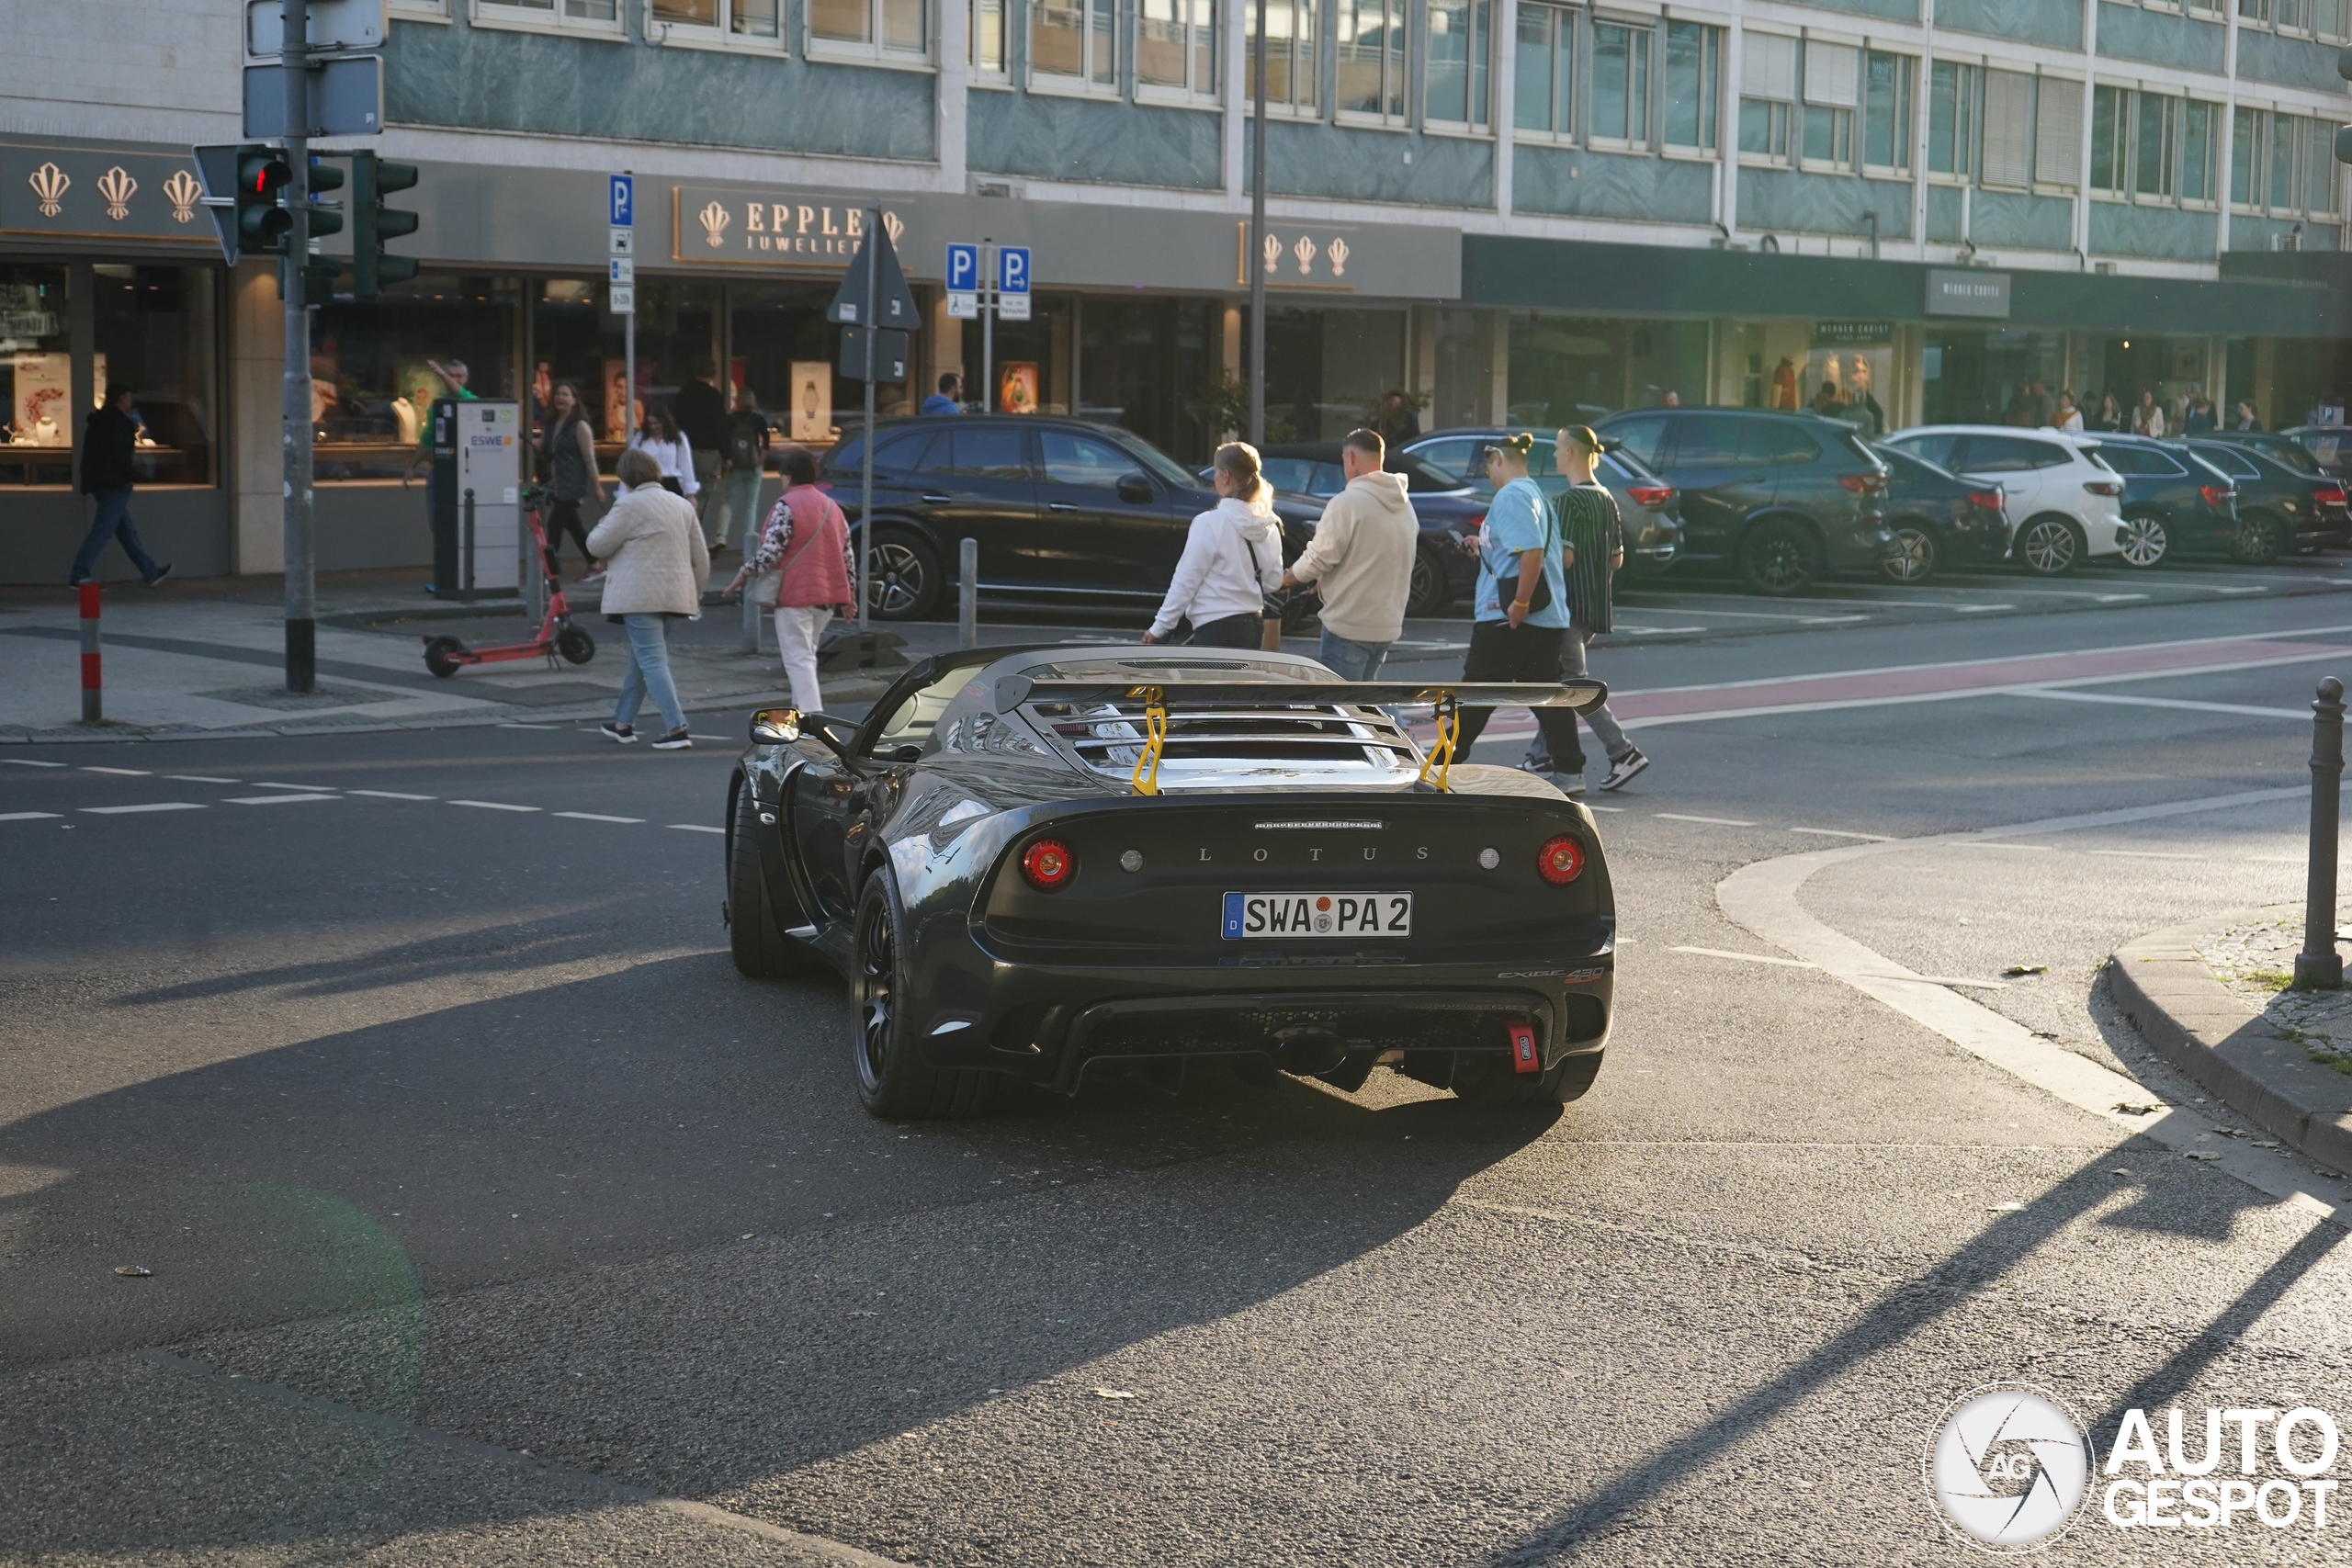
(1256,260)
(873,248)
(301,600)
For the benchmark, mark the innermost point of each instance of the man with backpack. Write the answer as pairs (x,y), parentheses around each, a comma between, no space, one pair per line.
(744,460)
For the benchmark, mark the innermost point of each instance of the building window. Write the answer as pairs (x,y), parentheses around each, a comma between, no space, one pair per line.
(1291,78)
(1768,90)
(1952,118)
(2110,140)
(1371,49)
(2008,129)
(745,20)
(1176,45)
(2156,146)
(893,29)
(1545,96)
(1621,83)
(2197,124)
(1886,110)
(2245,158)
(593,16)
(2285,163)
(2058,133)
(987,54)
(1073,41)
(2322,179)
(1832,92)
(1694,66)
(1461,45)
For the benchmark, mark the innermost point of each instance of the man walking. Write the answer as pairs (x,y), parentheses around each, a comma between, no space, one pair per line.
(949,398)
(110,439)
(1361,560)
(748,439)
(700,409)
(1595,535)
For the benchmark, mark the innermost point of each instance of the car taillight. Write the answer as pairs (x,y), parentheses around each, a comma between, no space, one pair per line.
(1650,495)
(1864,484)
(2104,487)
(1048,864)
(2217,496)
(1561,859)
(2327,498)
(1990,500)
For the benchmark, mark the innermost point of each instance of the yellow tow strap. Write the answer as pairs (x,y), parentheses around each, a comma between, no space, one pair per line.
(1441,756)
(1155,735)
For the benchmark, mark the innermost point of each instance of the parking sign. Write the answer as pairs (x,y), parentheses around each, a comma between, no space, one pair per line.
(624,202)
(963,268)
(1013,269)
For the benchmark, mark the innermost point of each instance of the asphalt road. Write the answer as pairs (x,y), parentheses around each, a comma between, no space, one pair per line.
(490,1211)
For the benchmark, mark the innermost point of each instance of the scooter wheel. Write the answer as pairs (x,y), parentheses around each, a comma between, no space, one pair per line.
(444,656)
(575,645)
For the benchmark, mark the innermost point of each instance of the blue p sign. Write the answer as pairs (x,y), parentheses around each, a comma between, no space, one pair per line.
(1013,269)
(624,202)
(963,268)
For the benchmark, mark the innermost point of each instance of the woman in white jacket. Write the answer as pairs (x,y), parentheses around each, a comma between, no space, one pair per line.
(1233,558)
(656,566)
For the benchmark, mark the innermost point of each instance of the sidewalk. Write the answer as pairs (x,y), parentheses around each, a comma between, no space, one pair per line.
(2211,998)
(206,658)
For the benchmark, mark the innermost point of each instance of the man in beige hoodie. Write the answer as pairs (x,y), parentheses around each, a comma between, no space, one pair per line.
(1361,560)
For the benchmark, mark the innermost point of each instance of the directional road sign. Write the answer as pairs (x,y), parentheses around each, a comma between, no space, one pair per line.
(1012,283)
(624,199)
(347,99)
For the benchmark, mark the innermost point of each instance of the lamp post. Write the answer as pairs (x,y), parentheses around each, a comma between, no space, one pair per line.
(1255,260)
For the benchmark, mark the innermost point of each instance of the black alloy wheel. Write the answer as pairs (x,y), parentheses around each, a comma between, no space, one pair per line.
(1429,593)
(1914,561)
(892,1082)
(2145,540)
(2262,538)
(1780,556)
(2050,544)
(575,645)
(903,581)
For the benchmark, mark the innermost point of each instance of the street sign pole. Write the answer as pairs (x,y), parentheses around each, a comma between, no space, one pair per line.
(873,245)
(301,583)
(1255,260)
(628,322)
(988,325)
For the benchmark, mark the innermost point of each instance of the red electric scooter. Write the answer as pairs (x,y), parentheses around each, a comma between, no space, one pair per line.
(444,656)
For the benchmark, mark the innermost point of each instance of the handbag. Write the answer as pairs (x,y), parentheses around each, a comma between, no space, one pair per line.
(1540,597)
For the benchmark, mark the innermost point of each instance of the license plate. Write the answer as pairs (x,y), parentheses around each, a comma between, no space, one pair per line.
(1253,914)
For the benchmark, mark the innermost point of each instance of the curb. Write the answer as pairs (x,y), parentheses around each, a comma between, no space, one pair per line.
(2168,994)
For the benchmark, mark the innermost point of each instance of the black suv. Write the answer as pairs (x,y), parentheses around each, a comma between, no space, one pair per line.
(2284,503)
(1064,510)
(2174,502)
(1780,498)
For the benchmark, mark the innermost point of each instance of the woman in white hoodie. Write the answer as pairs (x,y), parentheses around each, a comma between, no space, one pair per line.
(1233,558)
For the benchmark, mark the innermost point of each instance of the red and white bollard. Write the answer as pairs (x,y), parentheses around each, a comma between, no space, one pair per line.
(93,686)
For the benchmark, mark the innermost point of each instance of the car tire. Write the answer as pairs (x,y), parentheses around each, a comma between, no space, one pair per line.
(2262,538)
(2048,545)
(1780,556)
(2144,541)
(1430,592)
(1499,1088)
(1916,561)
(892,1082)
(576,646)
(444,656)
(759,917)
(903,578)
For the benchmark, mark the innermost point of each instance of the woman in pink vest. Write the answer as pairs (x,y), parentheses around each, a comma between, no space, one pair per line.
(806,544)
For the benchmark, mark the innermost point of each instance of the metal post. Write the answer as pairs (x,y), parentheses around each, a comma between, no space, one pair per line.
(465,543)
(92,683)
(1256,259)
(968,593)
(875,236)
(2319,966)
(751,607)
(301,582)
(987,326)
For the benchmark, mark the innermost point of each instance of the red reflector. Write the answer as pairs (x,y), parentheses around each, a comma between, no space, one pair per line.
(1561,859)
(1650,495)
(1524,1058)
(2217,495)
(1863,484)
(1990,500)
(2104,487)
(2328,497)
(1047,865)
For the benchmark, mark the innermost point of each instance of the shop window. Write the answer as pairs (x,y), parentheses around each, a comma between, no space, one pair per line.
(1693,67)
(744,21)
(2110,140)
(1768,91)
(1176,47)
(1371,49)
(1073,44)
(888,29)
(588,16)
(1886,110)
(2008,129)
(1544,93)
(1952,118)
(988,40)
(377,369)
(1832,92)
(37,354)
(156,334)
(2058,133)
(784,356)
(1461,44)
(1621,84)
(1292,77)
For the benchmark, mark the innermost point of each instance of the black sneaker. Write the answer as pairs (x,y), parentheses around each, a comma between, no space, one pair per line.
(162,572)
(676,740)
(624,733)
(1623,771)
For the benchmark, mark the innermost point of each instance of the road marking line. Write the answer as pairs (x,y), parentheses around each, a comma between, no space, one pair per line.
(387,794)
(2147,854)
(1841,833)
(126,773)
(1715,821)
(1986,845)
(2053,694)
(25,815)
(1978,609)
(308,789)
(1592,805)
(29,762)
(1834,620)
(2116,598)
(198,778)
(1746,957)
(1647,631)
(593,817)
(2241,591)
(695,827)
(154,806)
(276,799)
(494,806)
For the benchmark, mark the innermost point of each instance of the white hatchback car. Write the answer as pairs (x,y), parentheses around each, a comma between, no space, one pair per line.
(2064,504)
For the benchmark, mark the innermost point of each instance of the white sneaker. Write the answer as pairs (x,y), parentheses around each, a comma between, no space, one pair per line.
(1623,771)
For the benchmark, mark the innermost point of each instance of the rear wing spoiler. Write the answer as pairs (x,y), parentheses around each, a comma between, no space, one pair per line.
(1578,696)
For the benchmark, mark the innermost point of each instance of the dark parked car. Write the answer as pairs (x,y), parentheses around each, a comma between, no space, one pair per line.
(1307,472)
(1646,504)
(2282,505)
(1064,510)
(2330,445)
(1939,518)
(1782,498)
(2174,503)
(2272,444)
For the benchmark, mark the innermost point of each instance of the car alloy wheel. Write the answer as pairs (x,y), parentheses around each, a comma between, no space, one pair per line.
(898,581)
(1914,561)
(2048,545)
(1426,593)
(1777,558)
(877,983)
(2143,541)
(2259,538)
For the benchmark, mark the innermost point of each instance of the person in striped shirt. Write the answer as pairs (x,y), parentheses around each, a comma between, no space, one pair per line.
(1595,535)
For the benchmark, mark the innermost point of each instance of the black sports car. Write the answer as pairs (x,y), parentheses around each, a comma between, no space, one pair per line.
(1032,862)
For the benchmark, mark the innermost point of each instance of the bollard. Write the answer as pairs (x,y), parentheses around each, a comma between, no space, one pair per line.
(2319,967)
(93,686)
(968,593)
(466,570)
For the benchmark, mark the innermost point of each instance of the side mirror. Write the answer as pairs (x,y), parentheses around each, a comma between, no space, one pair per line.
(776,726)
(1134,488)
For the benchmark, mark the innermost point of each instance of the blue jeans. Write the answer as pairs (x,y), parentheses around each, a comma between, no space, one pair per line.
(113,522)
(648,670)
(1353,660)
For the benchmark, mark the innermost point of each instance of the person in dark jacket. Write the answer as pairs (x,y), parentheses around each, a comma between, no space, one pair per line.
(109,440)
(702,414)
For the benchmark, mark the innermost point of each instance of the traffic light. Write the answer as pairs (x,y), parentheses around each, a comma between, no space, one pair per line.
(324,220)
(373,267)
(262,174)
